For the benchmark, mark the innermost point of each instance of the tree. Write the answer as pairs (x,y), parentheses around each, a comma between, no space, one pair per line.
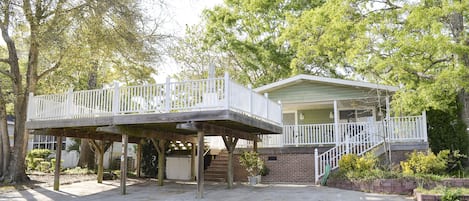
(417,45)
(49,31)
(248,33)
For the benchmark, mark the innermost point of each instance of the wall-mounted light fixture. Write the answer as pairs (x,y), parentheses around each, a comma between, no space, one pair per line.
(331,115)
(302,116)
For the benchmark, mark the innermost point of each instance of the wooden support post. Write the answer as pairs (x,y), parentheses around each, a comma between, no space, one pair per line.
(230,144)
(139,158)
(193,161)
(254,147)
(101,162)
(123,175)
(200,171)
(58,158)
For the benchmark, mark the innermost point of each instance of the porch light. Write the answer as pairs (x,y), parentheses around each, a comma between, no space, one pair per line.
(331,115)
(302,116)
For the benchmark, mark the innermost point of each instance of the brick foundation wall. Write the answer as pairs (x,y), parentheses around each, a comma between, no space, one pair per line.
(291,165)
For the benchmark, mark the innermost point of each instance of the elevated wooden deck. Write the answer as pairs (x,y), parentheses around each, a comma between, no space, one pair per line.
(219,103)
(184,111)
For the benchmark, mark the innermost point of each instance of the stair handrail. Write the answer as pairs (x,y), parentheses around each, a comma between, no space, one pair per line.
(332,156)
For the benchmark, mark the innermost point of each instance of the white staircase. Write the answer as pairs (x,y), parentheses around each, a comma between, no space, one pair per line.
(358,144)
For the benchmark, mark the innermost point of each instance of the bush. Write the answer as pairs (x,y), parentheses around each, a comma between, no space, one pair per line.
(451,195)
(252,162)
(351,162)
(35,157)
(421,163)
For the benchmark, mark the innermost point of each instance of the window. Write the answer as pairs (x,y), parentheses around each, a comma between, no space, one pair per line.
(46,142)
(359,115)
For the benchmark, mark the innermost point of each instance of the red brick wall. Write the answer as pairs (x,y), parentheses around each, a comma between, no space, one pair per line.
(289,167)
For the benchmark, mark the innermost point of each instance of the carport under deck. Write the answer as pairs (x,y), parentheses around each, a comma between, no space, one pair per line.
(172,111)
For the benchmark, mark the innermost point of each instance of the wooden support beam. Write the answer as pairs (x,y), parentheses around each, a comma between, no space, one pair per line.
(83,134)
(124,164)
(200,171)
(146,133)
(139,158)
(160,146)
(58,158)
(230,144)
(215,129)
(193,151)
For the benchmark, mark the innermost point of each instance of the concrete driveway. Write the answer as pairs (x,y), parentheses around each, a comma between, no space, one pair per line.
(175,191)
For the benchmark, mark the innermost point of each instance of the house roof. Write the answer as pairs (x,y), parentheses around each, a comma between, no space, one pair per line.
(312,78)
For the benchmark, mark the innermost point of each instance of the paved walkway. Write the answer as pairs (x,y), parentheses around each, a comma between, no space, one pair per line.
(175,191)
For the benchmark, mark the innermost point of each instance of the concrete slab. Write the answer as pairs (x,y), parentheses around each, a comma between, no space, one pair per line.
(175,191)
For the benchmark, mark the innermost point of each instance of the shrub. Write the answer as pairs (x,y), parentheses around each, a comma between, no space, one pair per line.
(451,195)
(44,166)
(35,157)
(421,163)
(347,162)
(252,162)
(351,162)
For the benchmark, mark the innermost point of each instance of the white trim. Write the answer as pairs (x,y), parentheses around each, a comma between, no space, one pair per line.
(291,80)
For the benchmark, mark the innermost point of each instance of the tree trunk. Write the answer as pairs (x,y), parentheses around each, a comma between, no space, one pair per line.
(87,157)
(4,138)
(160,146)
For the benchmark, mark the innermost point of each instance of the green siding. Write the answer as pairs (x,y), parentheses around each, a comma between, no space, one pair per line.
(318,116)
(314,91)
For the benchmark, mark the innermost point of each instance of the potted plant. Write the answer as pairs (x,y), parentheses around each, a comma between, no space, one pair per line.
(253,164)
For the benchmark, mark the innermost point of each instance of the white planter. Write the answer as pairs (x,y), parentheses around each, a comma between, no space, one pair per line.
(252,180)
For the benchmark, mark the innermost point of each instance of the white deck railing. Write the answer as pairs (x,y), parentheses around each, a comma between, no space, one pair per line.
(396,129)
(170,97)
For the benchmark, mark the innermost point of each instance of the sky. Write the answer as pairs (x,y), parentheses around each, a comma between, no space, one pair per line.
(180,14)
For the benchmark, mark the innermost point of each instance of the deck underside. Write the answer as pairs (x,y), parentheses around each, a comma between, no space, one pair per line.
(157,125)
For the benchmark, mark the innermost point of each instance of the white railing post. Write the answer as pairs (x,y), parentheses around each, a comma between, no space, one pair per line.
(424,125)
(347,143)
(68,105)
(336,123)
(227,90)
(168,95)
(266,95)
(31,107)
(250,98)
(115,99)
(281,112)
(316,166)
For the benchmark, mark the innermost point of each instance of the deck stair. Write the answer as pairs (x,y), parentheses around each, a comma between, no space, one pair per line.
(218,168)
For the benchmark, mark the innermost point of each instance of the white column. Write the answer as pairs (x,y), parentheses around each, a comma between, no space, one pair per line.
(168,95)
(424,125)
(227,91)
(388,109)
(316,166)
(336,123)
(115,99)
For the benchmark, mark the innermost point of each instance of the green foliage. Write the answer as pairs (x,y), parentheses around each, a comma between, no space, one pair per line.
(44,166)
(248,32)
(252,162)
(78,170)
(353,163)
(429,163)
(347,162)
(451,195)
(264,171)
(446,130)
(35,157)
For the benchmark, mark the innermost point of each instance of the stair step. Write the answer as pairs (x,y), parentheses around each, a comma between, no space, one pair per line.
(215,179)
(216,171)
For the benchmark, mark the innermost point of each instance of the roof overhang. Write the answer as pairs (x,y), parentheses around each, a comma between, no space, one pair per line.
(312,78)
